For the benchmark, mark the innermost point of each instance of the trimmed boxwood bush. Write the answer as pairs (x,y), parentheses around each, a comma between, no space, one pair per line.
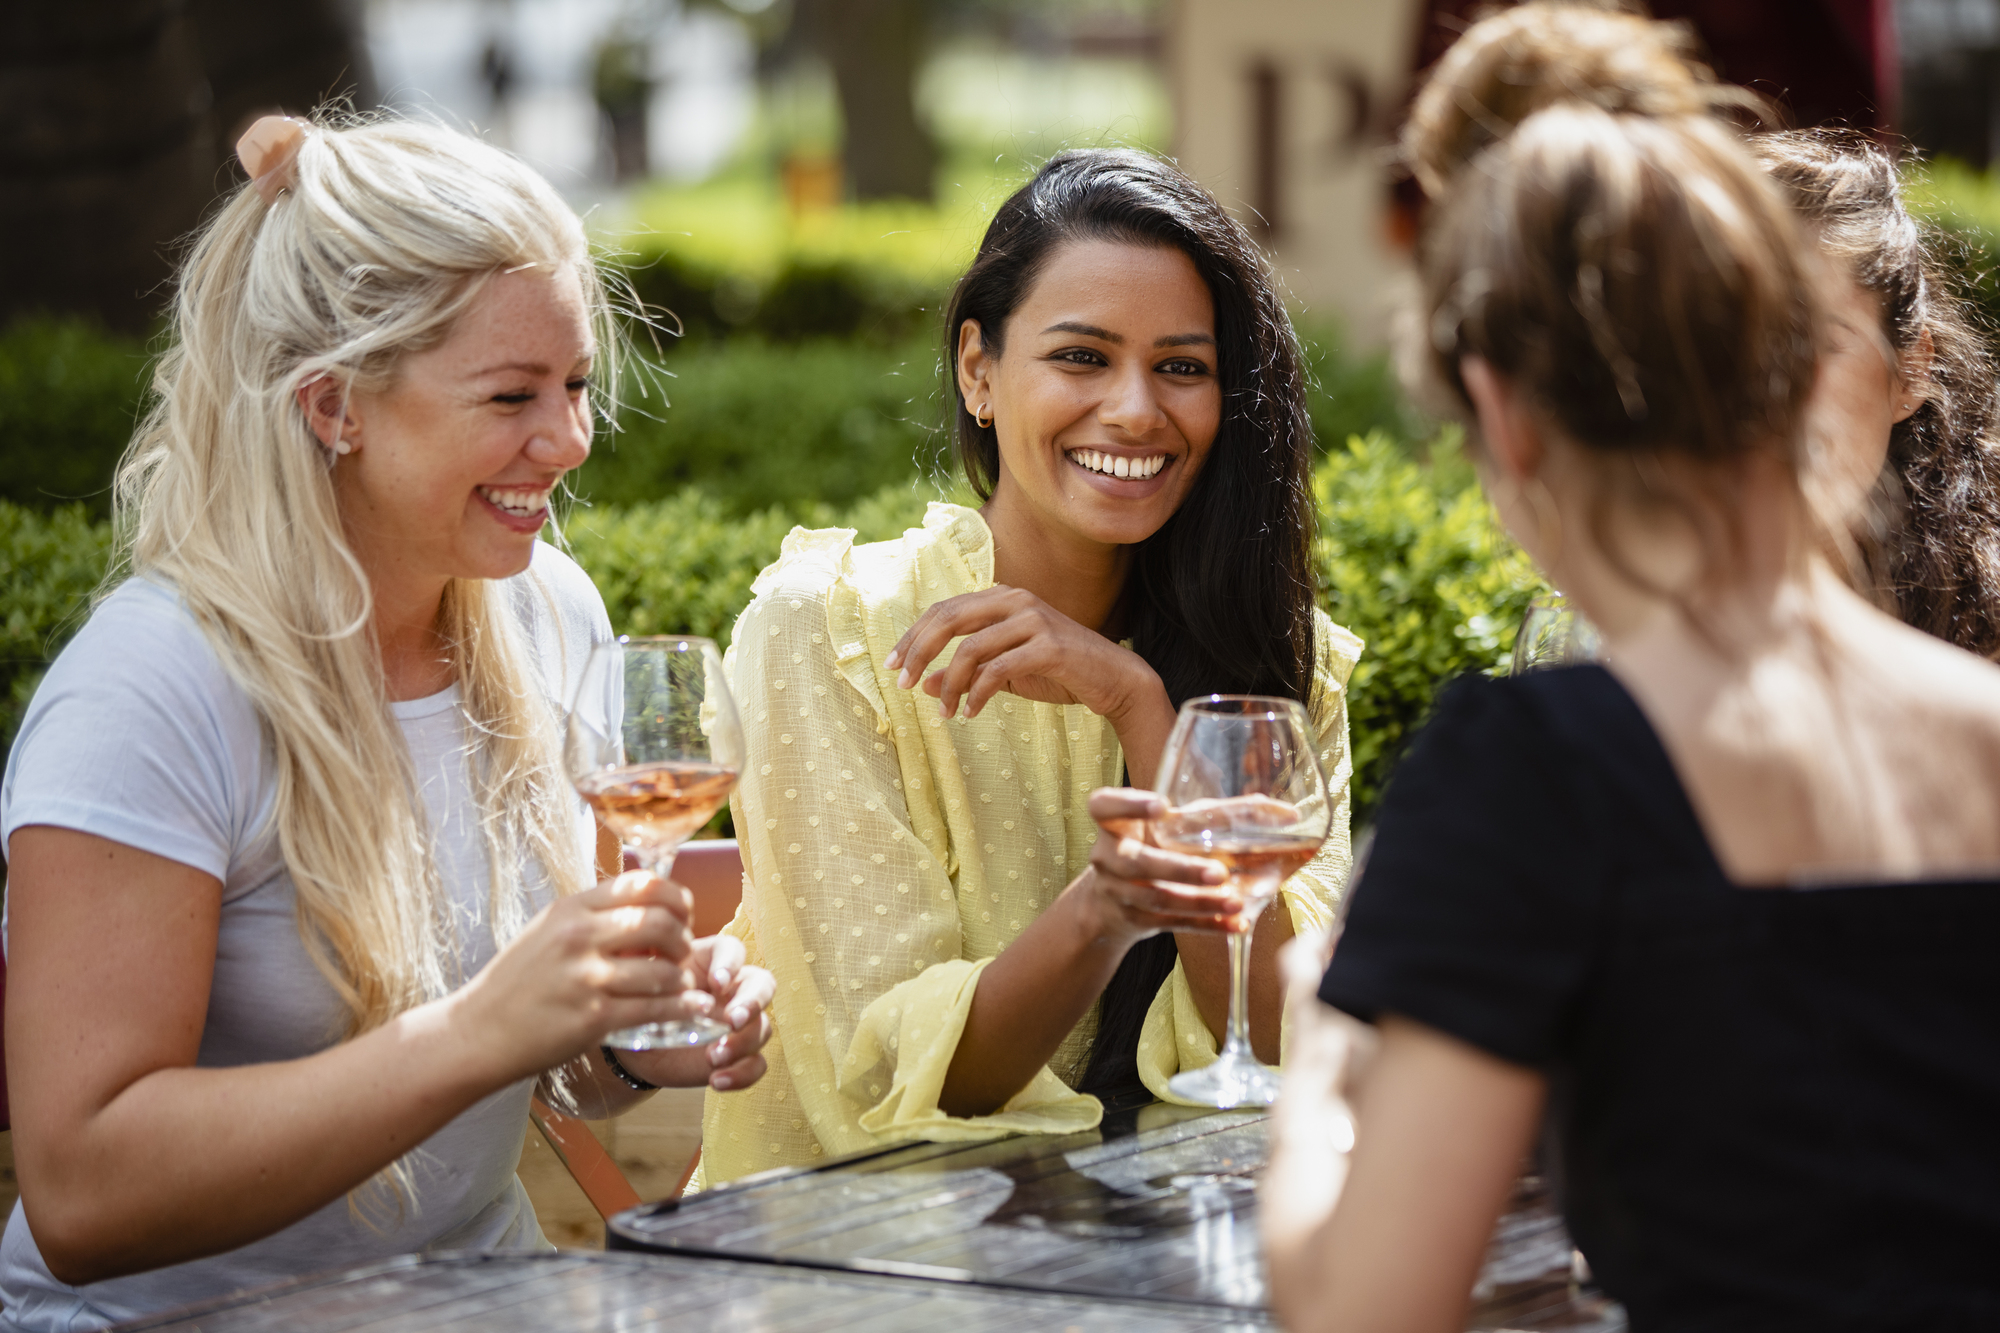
(69,396)
(49,565)
(1408,554)
(1411,559)
(755,424)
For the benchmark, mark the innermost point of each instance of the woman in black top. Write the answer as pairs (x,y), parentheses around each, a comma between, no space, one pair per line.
(1725,907)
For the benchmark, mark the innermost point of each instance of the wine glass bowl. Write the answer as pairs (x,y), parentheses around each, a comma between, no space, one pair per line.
(1243,786)
(654,746)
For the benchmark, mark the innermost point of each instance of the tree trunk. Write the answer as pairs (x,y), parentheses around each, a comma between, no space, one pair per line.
(117,121)
(105,155)
(875,48)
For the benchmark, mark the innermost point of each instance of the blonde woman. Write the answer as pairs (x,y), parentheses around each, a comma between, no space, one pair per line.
(300,903)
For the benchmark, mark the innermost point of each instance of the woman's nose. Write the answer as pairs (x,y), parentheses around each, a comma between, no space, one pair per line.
(1130,404)
(563,440)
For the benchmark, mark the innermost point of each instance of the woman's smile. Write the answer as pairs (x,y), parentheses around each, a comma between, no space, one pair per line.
(1136,468)
(520,508)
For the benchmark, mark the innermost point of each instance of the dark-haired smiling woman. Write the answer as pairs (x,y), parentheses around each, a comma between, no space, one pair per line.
(966,943)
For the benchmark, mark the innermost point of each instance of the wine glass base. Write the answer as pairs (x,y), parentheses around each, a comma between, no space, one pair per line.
(677,1036)
(1229,1082)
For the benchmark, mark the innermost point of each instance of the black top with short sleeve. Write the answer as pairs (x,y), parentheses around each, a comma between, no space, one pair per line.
(1773,1108)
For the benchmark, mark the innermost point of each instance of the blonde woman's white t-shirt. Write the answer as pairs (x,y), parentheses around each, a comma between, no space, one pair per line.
(138,734)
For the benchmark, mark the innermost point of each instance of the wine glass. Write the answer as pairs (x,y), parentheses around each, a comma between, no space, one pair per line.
(1554,633)
(1243,786)
(654,746)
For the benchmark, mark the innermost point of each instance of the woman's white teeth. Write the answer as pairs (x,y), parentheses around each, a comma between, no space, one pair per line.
(519,501)
(1118,465)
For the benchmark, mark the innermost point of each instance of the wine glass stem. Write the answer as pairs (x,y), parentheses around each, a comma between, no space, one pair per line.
(1236,1041)
(656,861)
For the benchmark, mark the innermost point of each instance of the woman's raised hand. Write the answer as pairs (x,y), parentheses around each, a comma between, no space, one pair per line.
(611,957)
(1142,889)
(743,997)
(1018,643)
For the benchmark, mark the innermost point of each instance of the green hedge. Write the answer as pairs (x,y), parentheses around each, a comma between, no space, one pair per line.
(69,396)
(1965,205)
(754,423)
(49,564)
(1408,553)
(1411,559)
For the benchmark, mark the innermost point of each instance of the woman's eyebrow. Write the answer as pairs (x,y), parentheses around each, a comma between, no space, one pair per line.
(529,367)
(1093,331)
(1087,330)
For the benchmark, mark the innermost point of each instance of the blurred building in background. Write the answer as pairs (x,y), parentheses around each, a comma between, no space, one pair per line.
(1287,109)
(1284,108)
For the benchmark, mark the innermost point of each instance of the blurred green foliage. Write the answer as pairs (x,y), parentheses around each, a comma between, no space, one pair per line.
(756,423)
(1965,205)
(1411,558)
(49,565)
(69,396)
(684,565)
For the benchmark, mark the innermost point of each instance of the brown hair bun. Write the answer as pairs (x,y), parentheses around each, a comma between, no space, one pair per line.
(1526,59)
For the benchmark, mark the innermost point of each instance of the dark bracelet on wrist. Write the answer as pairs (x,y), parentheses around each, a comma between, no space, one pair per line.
(626,1076)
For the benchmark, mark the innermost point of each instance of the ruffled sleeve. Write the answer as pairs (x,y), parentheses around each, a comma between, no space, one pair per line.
(1175,1036)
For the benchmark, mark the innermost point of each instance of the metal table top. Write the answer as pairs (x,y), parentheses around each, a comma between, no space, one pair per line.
(575,1292)
(1157,1204)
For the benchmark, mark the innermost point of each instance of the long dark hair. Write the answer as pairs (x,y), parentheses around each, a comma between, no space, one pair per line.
(1936,551)
(1220,599)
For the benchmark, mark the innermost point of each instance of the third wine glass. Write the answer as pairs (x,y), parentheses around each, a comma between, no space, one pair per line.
(1242,781)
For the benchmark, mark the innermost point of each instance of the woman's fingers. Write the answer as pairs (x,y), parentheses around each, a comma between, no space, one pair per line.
(736,1057)
(618,1012)
(943,622)
(639,888)
(643,976)
(973,661)
(739,1075)
(752,995)
(1123,811)
(636,929)
(1170,907)
(720,958)
(1128,858)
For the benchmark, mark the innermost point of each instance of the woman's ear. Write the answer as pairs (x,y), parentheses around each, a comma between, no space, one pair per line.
(1506,427)
(330,414)
(974,371)
(1913,375)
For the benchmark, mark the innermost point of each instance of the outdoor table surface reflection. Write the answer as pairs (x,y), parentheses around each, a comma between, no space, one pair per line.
(1146,1223)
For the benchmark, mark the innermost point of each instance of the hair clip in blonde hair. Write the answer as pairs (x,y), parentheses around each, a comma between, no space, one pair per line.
(268,150)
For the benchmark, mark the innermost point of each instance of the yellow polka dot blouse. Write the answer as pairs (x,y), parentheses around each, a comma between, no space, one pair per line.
(890,854)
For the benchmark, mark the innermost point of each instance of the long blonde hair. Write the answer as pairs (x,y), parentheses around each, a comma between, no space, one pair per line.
(387,232)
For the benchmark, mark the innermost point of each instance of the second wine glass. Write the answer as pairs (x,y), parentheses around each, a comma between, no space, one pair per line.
(1242,781)
(654,745)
